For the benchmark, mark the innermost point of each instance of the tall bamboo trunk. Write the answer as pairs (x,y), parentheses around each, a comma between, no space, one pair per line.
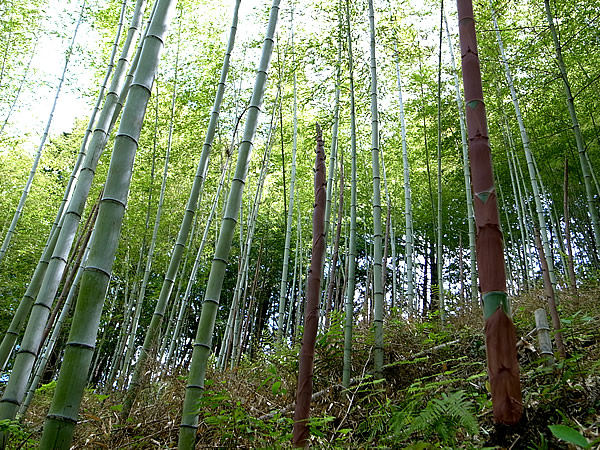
(334,131)
(349,309)
(560,346)
(202,347)
(311,315)
(521,215)
(165,292)
(530,161)
(140,289)
(235,308)
(585,167)
(377,228)
(290,210)
(184,301)
(159,307)
(439,241)
(62,417)
(389,239)
(408,215)
(48,275)
(503,366)
(336,245)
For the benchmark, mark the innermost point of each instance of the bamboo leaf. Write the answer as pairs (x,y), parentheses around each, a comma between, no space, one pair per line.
(570,435)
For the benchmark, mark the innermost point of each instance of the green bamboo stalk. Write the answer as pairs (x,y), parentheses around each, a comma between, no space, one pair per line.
(336,245)
(187,433)
(52,341)
(439,241)
(516,188)
(62,417)
(507,257)
(300,270)
(349,309)
(194,272)
(390,234)
(141,290)
(96,365)
(290,215)
(150,256)
(556,231)
(528,155)
(288,322)
(89,161)
(130,328)
(585,167)
(334,131)
(408,215)
(171,320)
(118,351)
(377,229)
(230,348)
(165,293)
(522,187)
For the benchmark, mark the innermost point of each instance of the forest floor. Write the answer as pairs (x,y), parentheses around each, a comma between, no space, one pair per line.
(435,393)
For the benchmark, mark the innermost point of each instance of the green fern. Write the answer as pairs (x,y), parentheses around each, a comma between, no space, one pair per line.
(442,416)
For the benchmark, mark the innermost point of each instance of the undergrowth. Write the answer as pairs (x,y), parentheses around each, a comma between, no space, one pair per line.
(435,393)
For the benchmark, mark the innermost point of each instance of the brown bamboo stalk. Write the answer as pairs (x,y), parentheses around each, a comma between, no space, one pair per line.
(503,366)
(311,315)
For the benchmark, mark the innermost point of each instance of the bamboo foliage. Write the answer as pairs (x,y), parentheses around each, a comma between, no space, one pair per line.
(202,347)
(38,154)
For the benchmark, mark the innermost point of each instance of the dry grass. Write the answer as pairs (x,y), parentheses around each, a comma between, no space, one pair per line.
(236,399)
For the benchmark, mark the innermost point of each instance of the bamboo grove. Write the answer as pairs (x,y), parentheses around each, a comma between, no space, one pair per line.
(413,222)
